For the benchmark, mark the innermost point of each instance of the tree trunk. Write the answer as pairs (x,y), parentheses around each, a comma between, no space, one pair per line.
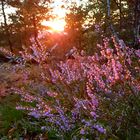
(137,24)
(110,22)
(120,10)
(6,26)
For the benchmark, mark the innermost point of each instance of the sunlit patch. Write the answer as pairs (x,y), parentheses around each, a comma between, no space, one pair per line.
(60,12)
(55,25)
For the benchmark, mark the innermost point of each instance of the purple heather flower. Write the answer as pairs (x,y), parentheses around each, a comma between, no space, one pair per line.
(82,131)
(93,114)
(35,114)
(99,128)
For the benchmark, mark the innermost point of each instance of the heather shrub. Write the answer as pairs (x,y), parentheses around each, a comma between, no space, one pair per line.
(86,97)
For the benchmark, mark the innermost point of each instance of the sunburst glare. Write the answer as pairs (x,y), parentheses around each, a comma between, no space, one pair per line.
(56,25)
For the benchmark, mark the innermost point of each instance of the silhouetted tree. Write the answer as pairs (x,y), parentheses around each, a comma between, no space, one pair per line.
(7,32)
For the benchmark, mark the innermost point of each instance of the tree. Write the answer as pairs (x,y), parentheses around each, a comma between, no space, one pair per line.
(3,2)
(29,15)
(137,23)
(75,20)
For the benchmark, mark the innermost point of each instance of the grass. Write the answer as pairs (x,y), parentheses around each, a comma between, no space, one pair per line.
(9,116)
(14,123)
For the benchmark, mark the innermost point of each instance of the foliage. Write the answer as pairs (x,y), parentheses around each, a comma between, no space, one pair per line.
(91,92)
(88,96)
(83,21)
(9,116)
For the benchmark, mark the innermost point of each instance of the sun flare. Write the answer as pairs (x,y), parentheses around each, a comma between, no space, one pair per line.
(58,23)
(55,25)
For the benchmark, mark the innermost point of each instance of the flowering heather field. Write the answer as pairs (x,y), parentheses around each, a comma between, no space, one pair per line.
(82,97)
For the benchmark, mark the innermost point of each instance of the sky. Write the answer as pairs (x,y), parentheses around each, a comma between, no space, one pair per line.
(57,8)
(8,10)
(58,5)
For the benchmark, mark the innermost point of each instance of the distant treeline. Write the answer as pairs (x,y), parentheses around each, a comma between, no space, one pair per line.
(87,24)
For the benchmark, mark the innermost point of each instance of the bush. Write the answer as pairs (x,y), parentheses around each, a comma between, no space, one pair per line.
(87,97)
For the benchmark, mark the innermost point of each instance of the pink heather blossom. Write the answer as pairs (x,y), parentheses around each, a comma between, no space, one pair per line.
(78,85)
(52,94)
(137,52)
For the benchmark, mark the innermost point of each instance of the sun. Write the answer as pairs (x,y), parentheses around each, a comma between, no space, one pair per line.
(56,25)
